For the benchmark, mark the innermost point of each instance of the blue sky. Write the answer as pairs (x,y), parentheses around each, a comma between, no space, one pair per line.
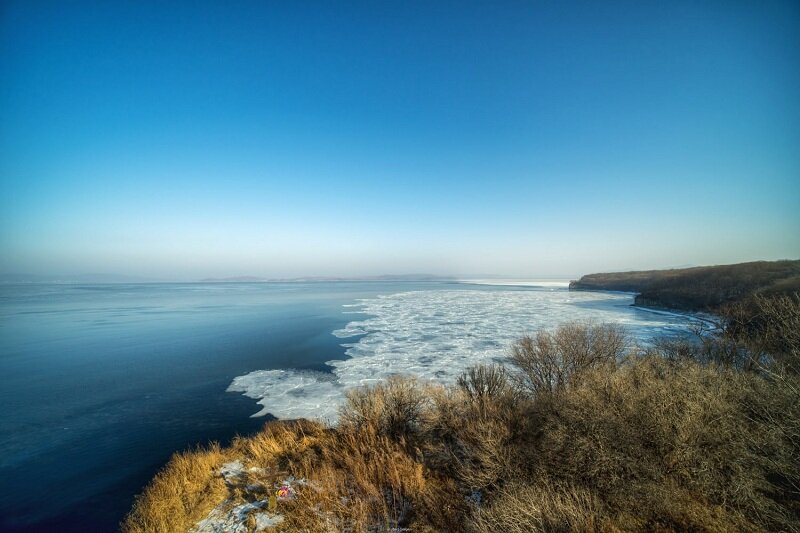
(288,138)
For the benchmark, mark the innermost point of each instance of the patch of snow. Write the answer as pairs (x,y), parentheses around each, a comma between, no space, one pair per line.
(232,470)
(225,519)
(266,520)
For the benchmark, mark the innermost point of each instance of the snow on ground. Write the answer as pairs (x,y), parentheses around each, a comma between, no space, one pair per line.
(231,471)
(229,518)
(233,519)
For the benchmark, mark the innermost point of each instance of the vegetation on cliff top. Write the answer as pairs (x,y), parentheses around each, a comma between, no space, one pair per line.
(700,288)
(580,432)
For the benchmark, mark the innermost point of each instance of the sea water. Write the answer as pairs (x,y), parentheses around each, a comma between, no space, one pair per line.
(100,384)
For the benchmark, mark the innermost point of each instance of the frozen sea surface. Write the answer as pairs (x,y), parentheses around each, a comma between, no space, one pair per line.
(437,334)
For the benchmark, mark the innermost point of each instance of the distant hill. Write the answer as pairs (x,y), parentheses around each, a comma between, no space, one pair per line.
(699,288)
(233,279)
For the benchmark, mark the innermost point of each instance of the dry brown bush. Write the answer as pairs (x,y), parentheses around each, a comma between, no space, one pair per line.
(469,429)
(394,408)
(464,432)
(761,333)
(551,361)
(675,445)
(778,319)
(485,382)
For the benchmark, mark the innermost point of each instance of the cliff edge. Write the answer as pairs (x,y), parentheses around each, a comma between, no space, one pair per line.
(703,288)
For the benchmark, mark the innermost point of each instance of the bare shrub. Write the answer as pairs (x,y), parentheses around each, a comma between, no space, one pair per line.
(675,445)
(482,453)
(393,408)
(360,480)
(550,362)
(490,391)
(484,381)
(779,318)
(759,334)
(472,429)
(675,349)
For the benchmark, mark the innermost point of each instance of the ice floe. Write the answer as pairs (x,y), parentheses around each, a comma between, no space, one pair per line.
(548,283)
(299,393)
(436,335)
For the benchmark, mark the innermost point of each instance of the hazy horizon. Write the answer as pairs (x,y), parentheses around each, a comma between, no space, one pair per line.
(115,277)
(100,277)
(188,141)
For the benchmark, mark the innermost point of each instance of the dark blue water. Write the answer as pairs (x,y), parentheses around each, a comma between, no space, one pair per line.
(102,383)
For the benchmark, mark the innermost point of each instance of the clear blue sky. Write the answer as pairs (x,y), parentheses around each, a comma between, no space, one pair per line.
(291,138)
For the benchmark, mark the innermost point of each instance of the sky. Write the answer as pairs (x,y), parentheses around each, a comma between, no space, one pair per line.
(283,139)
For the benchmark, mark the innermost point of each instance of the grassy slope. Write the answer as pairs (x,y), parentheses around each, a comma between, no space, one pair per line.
(700,288)
(646,442)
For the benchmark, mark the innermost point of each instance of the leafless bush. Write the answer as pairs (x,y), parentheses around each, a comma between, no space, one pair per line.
(676,349)
(677,445)
(758,334)
(780,317)
(550,362)
(483,455)
(472,429)
(484,381)
(490,390)
(393,408)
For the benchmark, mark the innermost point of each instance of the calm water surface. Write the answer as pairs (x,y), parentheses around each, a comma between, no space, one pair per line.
(101,383)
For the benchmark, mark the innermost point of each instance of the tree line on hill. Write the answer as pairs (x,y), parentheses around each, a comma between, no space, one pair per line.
(704,288)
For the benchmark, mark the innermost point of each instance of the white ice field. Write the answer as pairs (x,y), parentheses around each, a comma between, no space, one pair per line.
(436,335)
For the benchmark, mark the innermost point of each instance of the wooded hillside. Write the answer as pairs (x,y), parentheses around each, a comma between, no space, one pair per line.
(700,288)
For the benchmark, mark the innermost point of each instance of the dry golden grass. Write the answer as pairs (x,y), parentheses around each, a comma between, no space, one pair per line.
(185,490)
(359,479)
(522,508)
(366,474)
(363,480)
